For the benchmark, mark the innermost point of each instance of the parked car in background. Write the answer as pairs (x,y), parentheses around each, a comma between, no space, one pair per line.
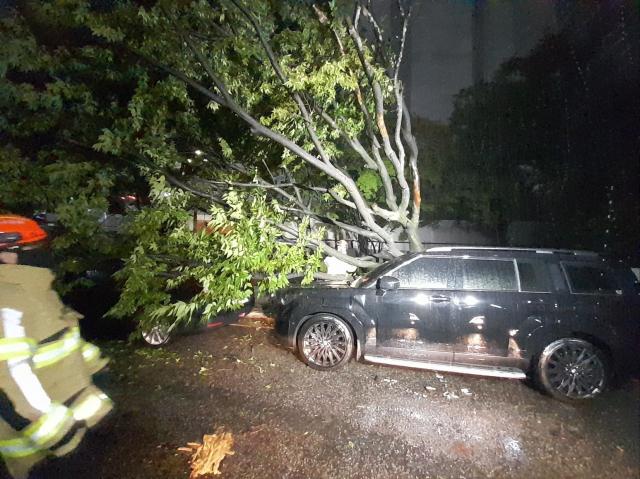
(111,220)
(18,232)
(569,319)
(159,336)
(95,301)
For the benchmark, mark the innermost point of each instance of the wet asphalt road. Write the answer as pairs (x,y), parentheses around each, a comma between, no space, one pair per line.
(363,421)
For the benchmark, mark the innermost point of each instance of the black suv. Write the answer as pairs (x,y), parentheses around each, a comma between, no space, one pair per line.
(570,319)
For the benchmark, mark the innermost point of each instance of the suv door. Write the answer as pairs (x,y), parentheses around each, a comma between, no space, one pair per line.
(541,287)
(486,303)
(415,320)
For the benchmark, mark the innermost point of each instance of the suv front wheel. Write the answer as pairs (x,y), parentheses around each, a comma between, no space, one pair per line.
(325,342)
(572,369)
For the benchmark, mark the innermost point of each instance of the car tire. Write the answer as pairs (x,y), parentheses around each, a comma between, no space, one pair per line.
(572,369)
(156,337)
(325,342)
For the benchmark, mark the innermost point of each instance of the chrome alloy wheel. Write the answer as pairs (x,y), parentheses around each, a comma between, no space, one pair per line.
(326,343)
(572,369)
(156,336)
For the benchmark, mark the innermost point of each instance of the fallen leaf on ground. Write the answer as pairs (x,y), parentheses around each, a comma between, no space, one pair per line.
(450,395)
(256,429)
(460,449)
(206,457)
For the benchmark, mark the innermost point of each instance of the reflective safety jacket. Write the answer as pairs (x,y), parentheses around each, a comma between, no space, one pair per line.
(48,399)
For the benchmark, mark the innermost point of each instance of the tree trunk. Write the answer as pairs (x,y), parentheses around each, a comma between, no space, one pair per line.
(414,238)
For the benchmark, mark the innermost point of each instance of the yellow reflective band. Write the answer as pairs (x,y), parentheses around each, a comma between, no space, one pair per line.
(16,348)
(90,352)
(70,445)
(90,406)
(49,425)
(55,351)
(18,447)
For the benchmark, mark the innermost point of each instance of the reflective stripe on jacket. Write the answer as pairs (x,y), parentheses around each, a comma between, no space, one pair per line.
(45,370)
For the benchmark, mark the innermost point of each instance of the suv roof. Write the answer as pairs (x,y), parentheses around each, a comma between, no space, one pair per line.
(510,250)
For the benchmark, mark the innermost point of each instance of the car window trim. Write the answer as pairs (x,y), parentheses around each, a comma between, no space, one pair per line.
(570,284)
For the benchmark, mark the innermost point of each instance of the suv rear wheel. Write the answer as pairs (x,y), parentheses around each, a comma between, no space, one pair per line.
(325,342)
(572,369)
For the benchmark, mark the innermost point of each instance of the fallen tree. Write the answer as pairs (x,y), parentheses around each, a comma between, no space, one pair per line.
(275,118)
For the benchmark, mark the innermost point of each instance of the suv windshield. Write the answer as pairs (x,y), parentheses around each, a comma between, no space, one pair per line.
(371,277)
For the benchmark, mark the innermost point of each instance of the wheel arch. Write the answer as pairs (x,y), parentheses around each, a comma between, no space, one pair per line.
(536,334)
(596,341)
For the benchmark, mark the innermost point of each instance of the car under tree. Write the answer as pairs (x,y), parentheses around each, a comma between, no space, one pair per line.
(566,318)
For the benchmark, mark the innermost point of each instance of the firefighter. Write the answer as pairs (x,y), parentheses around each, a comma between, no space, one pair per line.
(47,398)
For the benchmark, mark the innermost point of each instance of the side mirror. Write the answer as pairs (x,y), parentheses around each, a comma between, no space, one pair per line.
(388,282)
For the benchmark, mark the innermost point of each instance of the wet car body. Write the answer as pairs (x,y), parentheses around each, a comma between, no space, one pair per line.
(483,311)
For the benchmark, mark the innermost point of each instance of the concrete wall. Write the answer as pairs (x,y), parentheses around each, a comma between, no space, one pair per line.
(449,232)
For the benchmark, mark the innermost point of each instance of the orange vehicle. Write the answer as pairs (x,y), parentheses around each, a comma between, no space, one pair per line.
(18,232)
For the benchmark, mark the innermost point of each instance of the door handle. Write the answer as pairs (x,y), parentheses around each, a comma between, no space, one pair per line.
(439,298)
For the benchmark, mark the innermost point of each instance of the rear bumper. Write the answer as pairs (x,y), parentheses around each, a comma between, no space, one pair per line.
(283,330)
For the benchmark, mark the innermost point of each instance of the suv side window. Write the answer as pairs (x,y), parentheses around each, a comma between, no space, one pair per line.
(496,275)
(426,273)
(591,279)
(534,276)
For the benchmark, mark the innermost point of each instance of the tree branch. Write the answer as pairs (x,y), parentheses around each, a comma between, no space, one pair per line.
(329,221)
(190,81)
(358,262)
(331,171)
(184,186)
(322,18)
(380,122)
(398,87)
(366,11)
(301,207)
(378,164)
(354,143)
(280,74)
(407,133)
